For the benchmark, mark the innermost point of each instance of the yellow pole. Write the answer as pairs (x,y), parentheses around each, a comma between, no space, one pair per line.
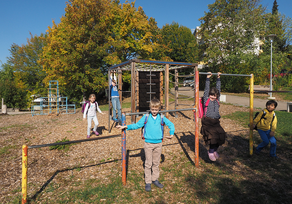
(24,174)
(251,116)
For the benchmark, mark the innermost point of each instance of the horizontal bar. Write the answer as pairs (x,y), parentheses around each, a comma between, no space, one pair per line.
(150,75)
(152,84)
(164,111)
(274,91)
(151,92)
(206,73)
(70,142)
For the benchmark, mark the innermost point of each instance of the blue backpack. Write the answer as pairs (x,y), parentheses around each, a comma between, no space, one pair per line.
(145,122)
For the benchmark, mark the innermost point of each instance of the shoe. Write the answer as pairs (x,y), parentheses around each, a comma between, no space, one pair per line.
(96,133)
(216,155)
(148,187)
(156,183)
(88,136)
(211,156)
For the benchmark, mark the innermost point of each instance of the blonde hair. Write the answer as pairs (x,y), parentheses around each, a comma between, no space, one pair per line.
(114,81)
(92,95)
(155,103)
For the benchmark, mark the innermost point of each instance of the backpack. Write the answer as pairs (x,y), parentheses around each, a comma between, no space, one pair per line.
(263,116)
(203,111)
(84,105)
(145,122)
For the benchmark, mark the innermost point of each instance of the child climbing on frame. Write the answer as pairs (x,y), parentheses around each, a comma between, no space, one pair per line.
(213,134)
(153,136)
(90,111)
(115,98)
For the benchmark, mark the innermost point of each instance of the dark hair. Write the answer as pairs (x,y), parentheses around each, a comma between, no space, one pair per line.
(272,102)
(214,91)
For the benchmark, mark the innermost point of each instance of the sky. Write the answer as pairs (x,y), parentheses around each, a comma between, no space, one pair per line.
(19,18)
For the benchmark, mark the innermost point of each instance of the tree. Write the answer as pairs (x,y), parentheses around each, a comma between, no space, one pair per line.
(13,91)
(24,61)
(91,36)
(228,31)
(180,41)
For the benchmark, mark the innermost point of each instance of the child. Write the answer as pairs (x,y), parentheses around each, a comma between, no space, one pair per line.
(115,98)
(266,127)
(153,142)
(90,110)
(213,134)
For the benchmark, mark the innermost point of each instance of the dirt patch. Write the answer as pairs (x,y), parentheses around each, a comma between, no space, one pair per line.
(95,158)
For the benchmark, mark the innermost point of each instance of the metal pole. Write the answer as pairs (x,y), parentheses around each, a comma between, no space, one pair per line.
(197,120)
(206,73)
(164,111)
(124,152)
(24,174)
(271,73)
(251,117)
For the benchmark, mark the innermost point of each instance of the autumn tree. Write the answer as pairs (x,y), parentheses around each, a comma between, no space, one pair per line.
(90,37)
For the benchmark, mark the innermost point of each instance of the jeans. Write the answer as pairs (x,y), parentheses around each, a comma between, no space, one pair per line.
(89,119)
(116,106)
(265,136)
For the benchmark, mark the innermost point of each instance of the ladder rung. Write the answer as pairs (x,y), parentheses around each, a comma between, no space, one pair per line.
(151,92)
(150,74)
(152,84)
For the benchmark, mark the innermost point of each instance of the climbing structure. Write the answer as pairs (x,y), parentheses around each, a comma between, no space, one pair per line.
(149,79)
(54,104)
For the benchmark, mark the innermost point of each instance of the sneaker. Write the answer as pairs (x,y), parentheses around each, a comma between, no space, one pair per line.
(216,155)
(148,187)
(156,183)
(88,136)
(211,156)
(96,133)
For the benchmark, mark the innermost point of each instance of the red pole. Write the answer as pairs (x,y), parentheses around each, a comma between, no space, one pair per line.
(197,120)
(124,152)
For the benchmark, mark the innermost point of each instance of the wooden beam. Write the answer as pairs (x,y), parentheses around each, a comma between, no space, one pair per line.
(166,88)
(133,118)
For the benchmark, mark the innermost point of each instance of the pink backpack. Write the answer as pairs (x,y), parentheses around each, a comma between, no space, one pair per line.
(203,111)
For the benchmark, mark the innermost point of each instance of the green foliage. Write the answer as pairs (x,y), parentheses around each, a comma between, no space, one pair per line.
(181,42)
(13,91)
(64,147)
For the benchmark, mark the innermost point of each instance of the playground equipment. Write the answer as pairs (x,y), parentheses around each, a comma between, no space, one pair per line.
(53,104)
(147,79)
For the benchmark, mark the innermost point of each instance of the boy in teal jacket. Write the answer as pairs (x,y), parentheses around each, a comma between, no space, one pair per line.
(153,142)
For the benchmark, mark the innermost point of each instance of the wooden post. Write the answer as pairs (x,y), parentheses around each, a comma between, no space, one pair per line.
(137,92)
(161,88)
(120,80)
(124,151)
(109,101)
(251,117)
(197,117)
(133,117)
(176,91)
(166,88)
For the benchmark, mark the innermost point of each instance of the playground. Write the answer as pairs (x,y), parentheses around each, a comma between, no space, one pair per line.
(65,176)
